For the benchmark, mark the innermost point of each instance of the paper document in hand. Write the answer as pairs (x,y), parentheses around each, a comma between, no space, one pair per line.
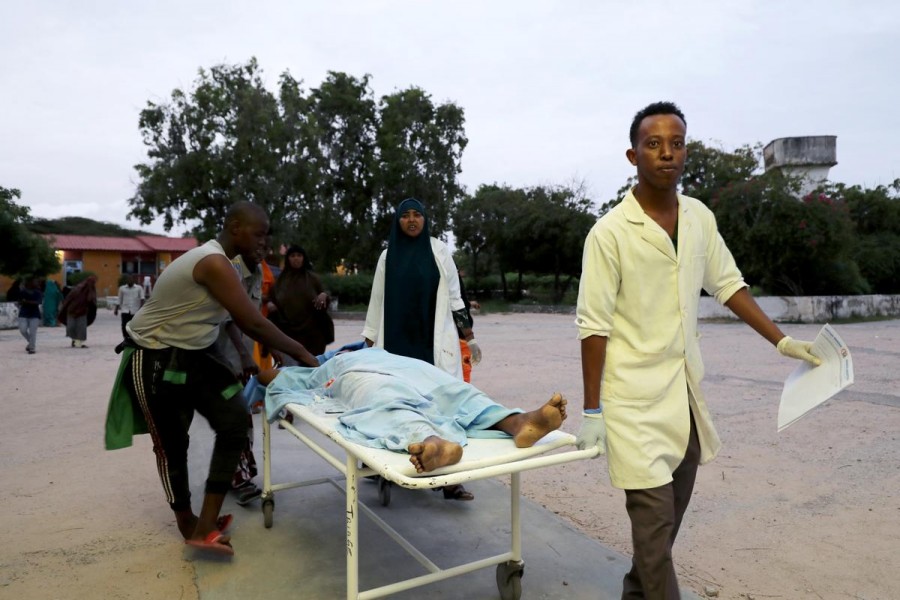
(809,386)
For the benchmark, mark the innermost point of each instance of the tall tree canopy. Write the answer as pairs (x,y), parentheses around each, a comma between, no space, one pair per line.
(709,168)
(21,251)
(328,164)
(208,149)
(526,230)
(82,226)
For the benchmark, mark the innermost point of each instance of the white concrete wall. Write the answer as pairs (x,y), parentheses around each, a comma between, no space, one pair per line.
(811,309)
(9,315)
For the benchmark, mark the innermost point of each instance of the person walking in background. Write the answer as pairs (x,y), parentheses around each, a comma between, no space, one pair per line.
(131,298)
(30,313)
(52,297)
(644,265)
(415,306)
(78,310)
(147,285)
(299,303)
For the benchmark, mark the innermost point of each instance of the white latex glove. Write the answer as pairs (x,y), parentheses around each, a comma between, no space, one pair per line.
(592,433)
(792,348)
(475,349)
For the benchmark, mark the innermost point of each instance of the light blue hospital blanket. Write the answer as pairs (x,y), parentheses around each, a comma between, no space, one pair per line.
(388,401)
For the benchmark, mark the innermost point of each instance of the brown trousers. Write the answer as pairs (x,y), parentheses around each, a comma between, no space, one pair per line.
(656,515)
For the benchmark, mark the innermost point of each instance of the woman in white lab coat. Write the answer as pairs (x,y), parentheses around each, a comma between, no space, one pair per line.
(415,305)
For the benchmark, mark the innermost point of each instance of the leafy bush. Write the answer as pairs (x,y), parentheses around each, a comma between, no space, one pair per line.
(349,289)
(536,289)
(878,257)
(788,246)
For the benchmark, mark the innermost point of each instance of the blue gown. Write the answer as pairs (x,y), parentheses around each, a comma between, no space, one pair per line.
(389,401)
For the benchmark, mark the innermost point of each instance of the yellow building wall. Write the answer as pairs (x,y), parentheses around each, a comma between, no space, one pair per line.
(5,282)
(106,266)
(163,260)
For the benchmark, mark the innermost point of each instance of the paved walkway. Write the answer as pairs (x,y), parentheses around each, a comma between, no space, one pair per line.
(302,555)
(81,522)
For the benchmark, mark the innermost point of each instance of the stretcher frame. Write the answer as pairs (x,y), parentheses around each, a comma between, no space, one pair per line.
(482,459)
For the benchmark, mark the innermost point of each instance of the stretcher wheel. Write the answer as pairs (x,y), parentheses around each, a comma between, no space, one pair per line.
(268,508)
(509,579)
(384,491)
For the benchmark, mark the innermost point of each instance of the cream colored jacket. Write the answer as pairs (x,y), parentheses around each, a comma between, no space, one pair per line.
(446,339)
(642,295)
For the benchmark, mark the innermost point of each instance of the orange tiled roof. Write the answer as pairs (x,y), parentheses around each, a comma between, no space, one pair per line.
(141,243)
(168,244)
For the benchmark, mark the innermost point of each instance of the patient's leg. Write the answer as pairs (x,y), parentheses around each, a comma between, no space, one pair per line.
(527,428)
(433,453)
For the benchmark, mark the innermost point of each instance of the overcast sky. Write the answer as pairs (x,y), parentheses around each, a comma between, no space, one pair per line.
(548,88)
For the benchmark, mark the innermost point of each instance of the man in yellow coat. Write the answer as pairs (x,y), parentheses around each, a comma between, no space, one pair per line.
(644,265)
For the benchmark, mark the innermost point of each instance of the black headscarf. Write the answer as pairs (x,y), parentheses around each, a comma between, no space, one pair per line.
(294,292)
(410,289)
(296,249)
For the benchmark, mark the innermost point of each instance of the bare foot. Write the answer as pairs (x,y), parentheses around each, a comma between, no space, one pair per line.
(433,453)
(538,423)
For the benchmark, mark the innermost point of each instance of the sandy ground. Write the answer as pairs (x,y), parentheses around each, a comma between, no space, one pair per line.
(809,513)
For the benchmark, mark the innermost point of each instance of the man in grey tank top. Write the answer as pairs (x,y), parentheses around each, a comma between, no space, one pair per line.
(169,371)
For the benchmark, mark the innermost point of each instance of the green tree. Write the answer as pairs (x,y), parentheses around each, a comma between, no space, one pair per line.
(474,224)
(420,148)
(82,226)
(556,220)
(526,230)
(208,149)
(487,226)
(620,193)
(329,165)
(709,169)
(787,245)
(21,251)
(329,195)
(876,217)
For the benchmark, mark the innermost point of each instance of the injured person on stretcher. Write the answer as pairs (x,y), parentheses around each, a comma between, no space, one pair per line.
(404,404)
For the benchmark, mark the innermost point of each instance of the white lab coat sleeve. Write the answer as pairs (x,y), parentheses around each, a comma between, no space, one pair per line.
(722,278)
(599,284)
(446,338)
(374,328)
(449,272)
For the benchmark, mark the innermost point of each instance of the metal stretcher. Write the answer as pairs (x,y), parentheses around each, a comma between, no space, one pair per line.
(482,458)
